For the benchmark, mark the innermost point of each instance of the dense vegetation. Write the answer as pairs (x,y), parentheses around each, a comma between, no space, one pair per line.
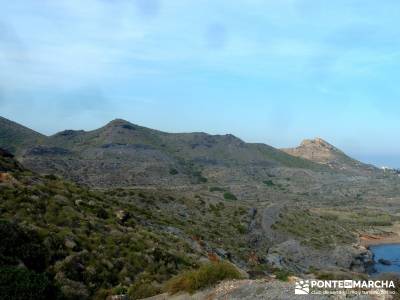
(66,239)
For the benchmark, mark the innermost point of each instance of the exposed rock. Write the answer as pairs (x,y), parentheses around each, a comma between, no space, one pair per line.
(118,297)
(362,262)
(294,256)
(223,254)
(7,178)
(78,202)
(5,153)
(385,262)
(69,243)
(275,260)
(122,216)
(42,150)
(173,230)
(322,152)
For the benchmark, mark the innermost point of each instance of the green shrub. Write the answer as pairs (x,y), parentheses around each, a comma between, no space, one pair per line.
(16,244)
(199,177)
(207,275)
(173,171)
(23,284)
(119,290)
(217,189)
(241,228)
(282,275)
(202,179)
(229,196)
(142,290)
(102,213)
(51,177)
(269,183)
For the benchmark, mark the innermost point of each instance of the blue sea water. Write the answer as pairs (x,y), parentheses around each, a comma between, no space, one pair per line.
(389,252)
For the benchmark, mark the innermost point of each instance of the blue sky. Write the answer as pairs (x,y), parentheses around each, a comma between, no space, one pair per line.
(267,71)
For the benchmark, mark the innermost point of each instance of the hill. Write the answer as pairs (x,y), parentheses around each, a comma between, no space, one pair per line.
(123,154)
(320,151)
(15,137)
(88,244)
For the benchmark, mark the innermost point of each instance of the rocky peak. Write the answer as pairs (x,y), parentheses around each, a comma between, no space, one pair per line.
(118,122)
(318,143)
(320,151)
(317,150)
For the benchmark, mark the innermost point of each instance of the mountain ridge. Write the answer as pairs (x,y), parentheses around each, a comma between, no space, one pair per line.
(122,154)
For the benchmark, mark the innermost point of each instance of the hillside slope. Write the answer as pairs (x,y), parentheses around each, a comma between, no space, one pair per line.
(90,243)
(98,243)
(15,137)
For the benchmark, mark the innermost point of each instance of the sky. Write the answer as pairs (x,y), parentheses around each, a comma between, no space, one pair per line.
(272,71)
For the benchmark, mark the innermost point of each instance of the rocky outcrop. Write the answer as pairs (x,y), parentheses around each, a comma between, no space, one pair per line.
(384,262)
(300,259)
(42,150)
(322,152)
(363,262)
(8,163)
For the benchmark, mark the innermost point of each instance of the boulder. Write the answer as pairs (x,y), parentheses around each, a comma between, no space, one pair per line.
(122,216)
(275,260)
(69,243)
(384,262)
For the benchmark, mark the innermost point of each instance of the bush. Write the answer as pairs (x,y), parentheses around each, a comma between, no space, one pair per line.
(269,182)
(102,213)
(142,290)
(199,177)
(51,177)
(23,284)
(217,189)
(229,196)
(173,171)
(282,275)
(119,290)
(16,245)
(207,275)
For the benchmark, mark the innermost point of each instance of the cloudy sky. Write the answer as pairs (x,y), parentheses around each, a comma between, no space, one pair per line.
(272,71)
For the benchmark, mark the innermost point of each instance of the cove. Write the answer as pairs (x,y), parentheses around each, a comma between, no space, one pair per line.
(387,258)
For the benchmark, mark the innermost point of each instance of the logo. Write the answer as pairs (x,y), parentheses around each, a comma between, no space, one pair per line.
(302,287)
(344,287)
